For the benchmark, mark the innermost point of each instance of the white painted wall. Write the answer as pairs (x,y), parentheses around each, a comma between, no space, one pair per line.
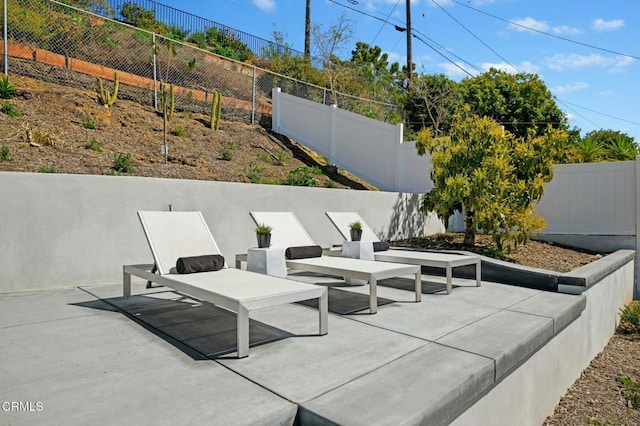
(530,394)
(65,230)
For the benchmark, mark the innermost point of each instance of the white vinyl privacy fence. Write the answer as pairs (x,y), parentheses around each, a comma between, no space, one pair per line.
(594,200)
(370,149)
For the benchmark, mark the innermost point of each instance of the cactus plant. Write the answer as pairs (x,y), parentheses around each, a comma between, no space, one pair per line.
(106,98)
(216,110)
(167,100)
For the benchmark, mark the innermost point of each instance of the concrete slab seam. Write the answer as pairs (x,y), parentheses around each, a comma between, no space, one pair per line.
(365,374)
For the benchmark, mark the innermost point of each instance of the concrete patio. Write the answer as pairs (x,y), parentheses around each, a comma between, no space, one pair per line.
(90,356)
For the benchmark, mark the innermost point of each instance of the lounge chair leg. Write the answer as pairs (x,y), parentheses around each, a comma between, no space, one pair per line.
(478,273)
(126,284)
(449,284)
(243,332)
(373,296)
(323,307)
(418,287)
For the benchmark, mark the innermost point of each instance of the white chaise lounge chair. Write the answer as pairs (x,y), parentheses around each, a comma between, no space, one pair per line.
(341,220)
(173,235)
(288,232)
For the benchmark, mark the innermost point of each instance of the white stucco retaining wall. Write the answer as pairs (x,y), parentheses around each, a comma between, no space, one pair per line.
(64,230)
(530,394)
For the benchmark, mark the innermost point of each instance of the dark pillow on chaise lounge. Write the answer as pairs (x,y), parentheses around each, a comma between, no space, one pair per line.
(205,263)
(303,252)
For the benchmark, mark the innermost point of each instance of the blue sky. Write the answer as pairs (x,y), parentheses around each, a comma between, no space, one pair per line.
(593,84)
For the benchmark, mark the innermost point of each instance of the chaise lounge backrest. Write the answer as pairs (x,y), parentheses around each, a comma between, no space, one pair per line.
(342,220)
(287,230)
(172,235)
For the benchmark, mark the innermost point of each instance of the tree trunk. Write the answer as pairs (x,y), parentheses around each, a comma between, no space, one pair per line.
(469,228)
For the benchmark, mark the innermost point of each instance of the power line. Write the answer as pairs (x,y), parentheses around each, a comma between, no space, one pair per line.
(602,113)
(577,113)
(564,102)
(546,33)
(442,54)
(473,35)
(448,51)
(384,23)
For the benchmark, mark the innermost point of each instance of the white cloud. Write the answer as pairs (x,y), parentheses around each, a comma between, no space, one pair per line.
(265,5)
(525,66)
(567,30)
(528,24)
(563,62)
(602,25)
(573,87)
(453,71)
(606,93)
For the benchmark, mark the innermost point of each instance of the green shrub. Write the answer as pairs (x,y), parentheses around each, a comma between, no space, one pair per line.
(88,122)
(197,154)
(5,154)
(122,163)
(10,109)
(227,151)
(303,176)
(254,172)
(356,226)
(94,145)
(630,319)
(631,390)
(7,90)
(263,229)
(47,170)
(281,158)
(330,184)
(263,156)
(199,39)
(178,130)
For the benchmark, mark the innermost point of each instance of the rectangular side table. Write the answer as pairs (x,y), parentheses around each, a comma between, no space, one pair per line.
(269,261)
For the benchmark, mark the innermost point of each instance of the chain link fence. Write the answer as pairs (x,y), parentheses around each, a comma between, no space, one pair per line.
(57,43)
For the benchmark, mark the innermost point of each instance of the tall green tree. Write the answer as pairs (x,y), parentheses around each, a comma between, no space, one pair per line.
(493,176)
(374,77)
(520,102)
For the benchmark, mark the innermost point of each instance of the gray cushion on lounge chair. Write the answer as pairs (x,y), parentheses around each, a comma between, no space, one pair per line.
(303,252)
(205,263)
(380,246)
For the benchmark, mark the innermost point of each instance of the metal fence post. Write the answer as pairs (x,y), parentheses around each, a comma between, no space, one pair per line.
(6,43)
(155,77)
(253,98)
(636,287)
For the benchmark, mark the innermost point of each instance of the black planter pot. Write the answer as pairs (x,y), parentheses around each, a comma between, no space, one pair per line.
(356,234)
(264,240)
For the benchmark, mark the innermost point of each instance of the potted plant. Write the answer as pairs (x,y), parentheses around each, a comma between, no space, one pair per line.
(356,230)
(263,232)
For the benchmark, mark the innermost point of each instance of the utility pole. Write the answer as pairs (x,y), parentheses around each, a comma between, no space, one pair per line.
(409,52)
(307,33)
